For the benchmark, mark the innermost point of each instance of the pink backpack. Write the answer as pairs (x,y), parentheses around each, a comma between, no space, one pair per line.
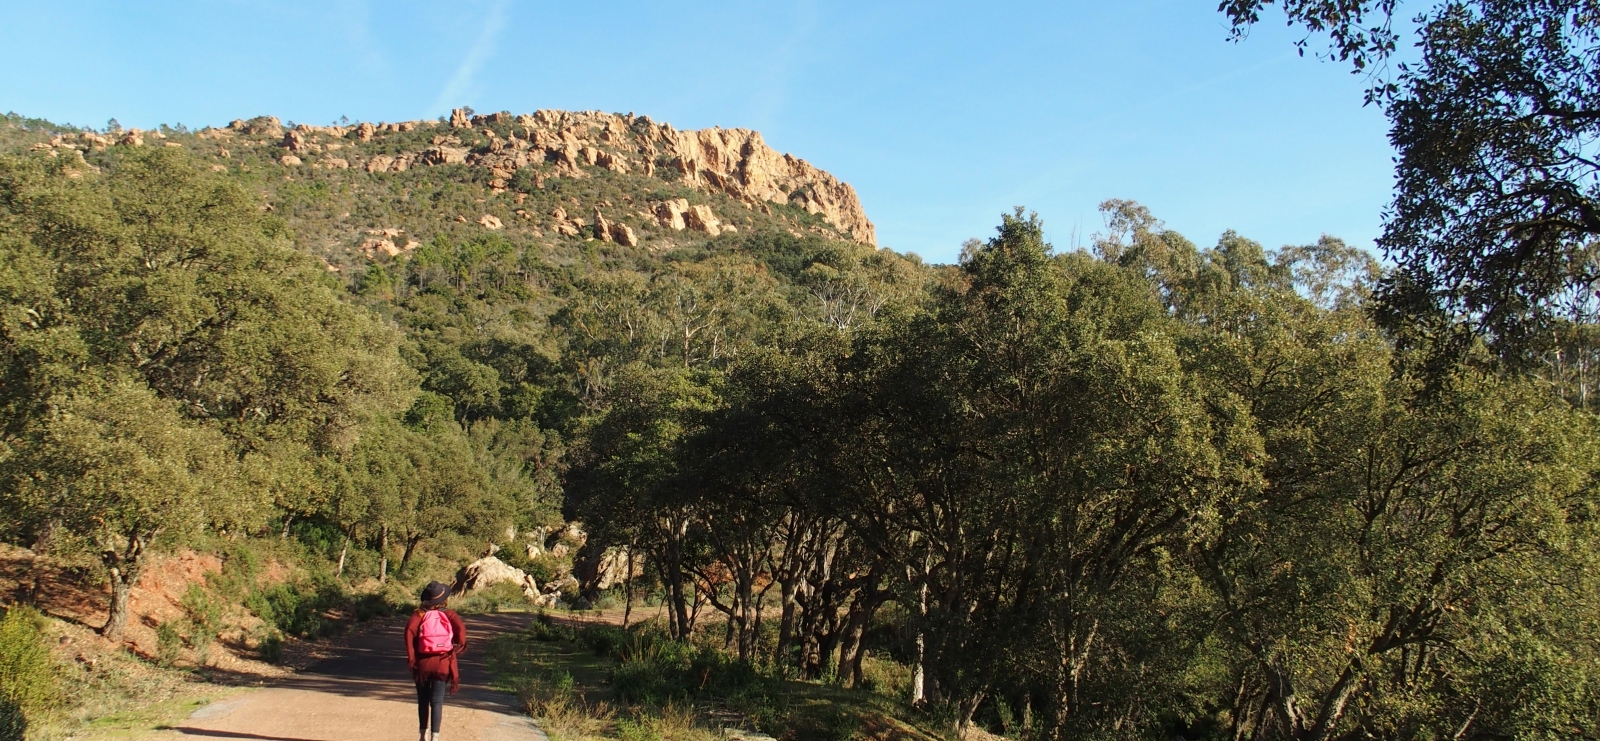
(436,635)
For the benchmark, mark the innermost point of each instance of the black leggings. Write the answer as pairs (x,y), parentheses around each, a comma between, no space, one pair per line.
(430,693)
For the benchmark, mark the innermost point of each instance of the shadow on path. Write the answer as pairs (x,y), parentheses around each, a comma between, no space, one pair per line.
(373,665)
(234,734)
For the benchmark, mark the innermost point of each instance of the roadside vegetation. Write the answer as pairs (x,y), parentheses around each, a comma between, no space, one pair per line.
(585,681)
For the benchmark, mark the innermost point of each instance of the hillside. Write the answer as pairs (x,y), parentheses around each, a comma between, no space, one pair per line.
(362,190)
(1145,490)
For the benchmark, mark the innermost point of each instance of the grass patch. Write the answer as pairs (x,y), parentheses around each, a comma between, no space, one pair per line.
(601,682)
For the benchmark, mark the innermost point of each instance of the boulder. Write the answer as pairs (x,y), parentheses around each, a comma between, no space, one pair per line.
(380,163)
(372,247)
(490,222)
(700,219)
(289,160)
(445,155)
(260,125)
(488,571)
(600,570)
(133,138)
(365,132)
(670,213)
(602,228)
(611,162)
(622,234)
(459,120)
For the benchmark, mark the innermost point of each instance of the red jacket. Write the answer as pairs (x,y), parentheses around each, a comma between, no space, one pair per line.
(435,666)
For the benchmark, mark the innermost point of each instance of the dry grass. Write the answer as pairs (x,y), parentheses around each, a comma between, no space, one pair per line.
(564,713)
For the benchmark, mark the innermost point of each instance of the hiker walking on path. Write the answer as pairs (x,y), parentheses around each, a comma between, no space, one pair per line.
(434,637)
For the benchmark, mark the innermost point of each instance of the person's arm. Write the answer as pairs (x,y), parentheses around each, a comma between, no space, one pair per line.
(460,630)
(411,641)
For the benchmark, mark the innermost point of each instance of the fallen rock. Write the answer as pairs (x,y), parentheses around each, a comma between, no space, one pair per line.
(490,222)
(289,160)
(488,571)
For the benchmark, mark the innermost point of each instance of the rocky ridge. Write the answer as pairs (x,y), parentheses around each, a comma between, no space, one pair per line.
(735,162)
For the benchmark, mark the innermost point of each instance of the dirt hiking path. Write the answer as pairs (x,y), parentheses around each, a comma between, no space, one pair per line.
(364,693)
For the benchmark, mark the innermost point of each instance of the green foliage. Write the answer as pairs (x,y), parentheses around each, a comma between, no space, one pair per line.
(29,688)
(502,597)
(1151,490)
(169,644)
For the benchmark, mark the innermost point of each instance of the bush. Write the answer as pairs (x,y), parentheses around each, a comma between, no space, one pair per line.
(494,598)
(204,616)
(543,628)
(169,643)
(28,688)
(604,640)
(654,670)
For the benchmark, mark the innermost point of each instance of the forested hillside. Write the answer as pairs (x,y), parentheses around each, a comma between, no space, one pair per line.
(1144,490)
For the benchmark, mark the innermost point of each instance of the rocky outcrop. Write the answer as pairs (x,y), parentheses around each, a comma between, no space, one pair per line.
(258,126)
(488,571)
(736,162)
(530,149)
(597,571)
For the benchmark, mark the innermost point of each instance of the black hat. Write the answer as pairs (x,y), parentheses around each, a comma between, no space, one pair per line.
(434,593)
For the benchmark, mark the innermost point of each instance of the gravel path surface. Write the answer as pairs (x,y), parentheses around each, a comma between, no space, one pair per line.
(364,693)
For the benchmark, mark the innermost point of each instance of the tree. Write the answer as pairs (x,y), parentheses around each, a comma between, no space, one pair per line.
(1494,219)
(117,468)
(161,342)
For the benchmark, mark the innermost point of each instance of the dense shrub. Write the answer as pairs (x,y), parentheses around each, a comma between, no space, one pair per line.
(654,670)
(28,688)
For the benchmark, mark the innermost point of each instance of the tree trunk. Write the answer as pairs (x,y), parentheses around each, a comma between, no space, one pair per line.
(123,569)
(383,556)
(919,689)
(786,597)
(627,590)
(344,550)
(405,557)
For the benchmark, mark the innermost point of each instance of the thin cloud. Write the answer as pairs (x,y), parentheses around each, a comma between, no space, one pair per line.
(480,52)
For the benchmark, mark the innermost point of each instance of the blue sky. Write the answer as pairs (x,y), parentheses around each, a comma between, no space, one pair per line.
(941,114)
